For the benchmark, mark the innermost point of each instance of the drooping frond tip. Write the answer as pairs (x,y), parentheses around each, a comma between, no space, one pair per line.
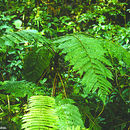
(87,56)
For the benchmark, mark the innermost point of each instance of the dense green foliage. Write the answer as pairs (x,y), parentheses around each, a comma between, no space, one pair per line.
(64,64)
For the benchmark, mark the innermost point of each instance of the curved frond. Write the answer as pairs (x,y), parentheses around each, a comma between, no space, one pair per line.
(87,56)
(22,36)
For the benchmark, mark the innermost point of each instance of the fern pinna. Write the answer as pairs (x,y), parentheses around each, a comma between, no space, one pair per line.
(69,115)
(87,56)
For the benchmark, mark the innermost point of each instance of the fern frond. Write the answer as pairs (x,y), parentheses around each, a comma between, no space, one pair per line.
(87,56)
(21,36)
(117,51)
(30,36)
(41,114)
(18,88)
(69,116)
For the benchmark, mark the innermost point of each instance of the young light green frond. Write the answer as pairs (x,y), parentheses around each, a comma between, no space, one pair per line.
(45,114)
(87,56)
(41,114)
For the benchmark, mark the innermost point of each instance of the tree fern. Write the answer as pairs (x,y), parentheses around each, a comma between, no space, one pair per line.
(41,114)
(87,56)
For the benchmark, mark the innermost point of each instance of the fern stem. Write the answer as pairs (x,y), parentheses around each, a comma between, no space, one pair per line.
(1,109)
(101,111)
(8,102)
(2,77)
(81,43)
(116,77)
(54,85)
(8,106)
(42,76)
(62,84)
(90,119)
(85,51)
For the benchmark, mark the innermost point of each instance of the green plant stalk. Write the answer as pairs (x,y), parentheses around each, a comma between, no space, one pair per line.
(54,85)
(62,84)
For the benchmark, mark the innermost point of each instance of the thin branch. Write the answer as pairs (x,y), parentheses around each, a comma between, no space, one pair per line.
(42,76)
(101,111)
(62,84)
(8,102)
(54,86)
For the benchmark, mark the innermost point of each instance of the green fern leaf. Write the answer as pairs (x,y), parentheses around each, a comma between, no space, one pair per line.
(41,114)
(116,51)
(22,36)
(87,56)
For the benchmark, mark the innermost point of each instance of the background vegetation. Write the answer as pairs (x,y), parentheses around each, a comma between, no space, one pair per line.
(67,58)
